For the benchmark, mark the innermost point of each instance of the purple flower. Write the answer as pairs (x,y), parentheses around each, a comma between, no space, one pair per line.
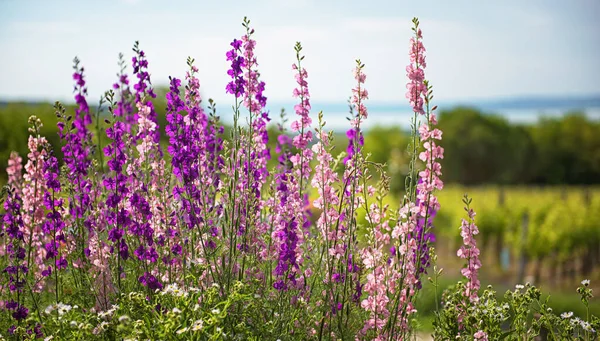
(148,280)
(20,313)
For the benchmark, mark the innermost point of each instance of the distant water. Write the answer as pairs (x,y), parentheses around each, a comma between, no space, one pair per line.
(338,121)
(335,116)
(518,110)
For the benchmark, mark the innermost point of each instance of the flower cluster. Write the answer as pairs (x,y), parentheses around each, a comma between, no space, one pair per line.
(214,232)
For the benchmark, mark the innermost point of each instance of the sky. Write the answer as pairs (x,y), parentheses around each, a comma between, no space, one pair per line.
(475,49)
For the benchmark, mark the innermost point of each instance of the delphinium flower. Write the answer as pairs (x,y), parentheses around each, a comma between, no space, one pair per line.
(53,225)
(291,220)
(16,269)
(429,178)
(147,175)
(353,192)
(76,150)
(181,161)
(231,190)
(382,281)
(34,188)
(255,102)
(416,89)
(409,236)
(470,253)
(186,146)
(14,171)
(118,217)
(255,155)
(237,84)
(200,176)
(143,88)
(354,134)
(410,249)
(382,278)
(332,233)
(246,167)
(278,203)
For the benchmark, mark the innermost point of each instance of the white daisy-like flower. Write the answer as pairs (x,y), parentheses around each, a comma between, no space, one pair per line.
(73,324)
(587,326)
(198,324)
(64,309)
(183,330)
(585,282)
(215,311)
(566,315)
(176,311)
(49,309)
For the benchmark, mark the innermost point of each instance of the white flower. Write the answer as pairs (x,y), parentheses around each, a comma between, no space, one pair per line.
(196,307)
(49,338)
(176,311)
(103,325)
(50,309)
(519,286)
(587,326)
(182,330)
(566,315)
(585,282)
(63,308)
(197,325)
(215,311)
(73,324)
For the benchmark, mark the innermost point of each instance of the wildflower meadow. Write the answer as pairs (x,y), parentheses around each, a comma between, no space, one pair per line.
(217,236)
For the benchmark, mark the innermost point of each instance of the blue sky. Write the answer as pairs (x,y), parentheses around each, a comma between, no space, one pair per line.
(476,49)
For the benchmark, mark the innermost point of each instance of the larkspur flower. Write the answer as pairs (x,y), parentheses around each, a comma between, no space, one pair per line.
(470,253)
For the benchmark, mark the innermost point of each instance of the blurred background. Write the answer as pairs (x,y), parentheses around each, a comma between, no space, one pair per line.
(516,84)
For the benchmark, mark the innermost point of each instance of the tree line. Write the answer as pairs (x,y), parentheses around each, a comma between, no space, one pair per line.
(480,148)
